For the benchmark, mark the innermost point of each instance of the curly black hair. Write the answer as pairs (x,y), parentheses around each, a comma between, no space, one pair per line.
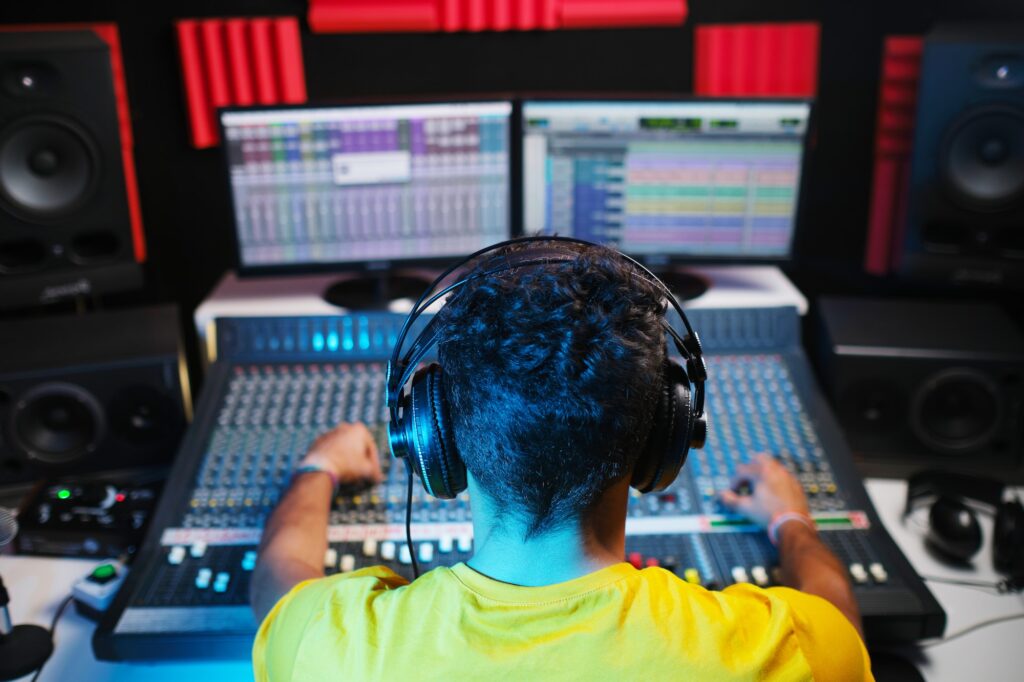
(552,373)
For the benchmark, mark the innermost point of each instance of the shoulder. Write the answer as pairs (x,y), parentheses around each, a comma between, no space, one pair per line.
(307,606)
(828,641)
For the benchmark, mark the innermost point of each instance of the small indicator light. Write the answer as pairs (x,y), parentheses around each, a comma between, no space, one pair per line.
(64,493)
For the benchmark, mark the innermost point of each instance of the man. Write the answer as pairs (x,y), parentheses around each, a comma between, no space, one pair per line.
(551,374)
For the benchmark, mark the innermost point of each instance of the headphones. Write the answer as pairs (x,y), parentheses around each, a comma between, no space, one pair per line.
(420,430)
(953,528)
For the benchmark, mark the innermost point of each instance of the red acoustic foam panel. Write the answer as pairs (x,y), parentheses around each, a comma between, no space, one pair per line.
(364,16)
(756,60)
(894,134)
(108,33)
(237,62)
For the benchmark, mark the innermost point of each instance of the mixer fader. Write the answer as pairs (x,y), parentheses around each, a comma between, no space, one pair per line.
(280,382)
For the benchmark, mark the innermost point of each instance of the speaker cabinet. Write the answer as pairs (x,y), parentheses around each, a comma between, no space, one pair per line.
(925,385)
(65,222)
(98,392)
(965,217)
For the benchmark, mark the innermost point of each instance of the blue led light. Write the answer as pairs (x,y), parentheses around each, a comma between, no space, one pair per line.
(318,341)
(346,326)
(332,341)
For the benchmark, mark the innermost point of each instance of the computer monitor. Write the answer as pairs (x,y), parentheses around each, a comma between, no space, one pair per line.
(666,181)
(355,187)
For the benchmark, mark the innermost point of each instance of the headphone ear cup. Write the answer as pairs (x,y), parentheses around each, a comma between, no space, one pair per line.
(428,437)
(668,442)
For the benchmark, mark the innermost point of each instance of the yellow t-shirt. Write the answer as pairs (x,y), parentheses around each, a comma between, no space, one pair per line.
(617,624)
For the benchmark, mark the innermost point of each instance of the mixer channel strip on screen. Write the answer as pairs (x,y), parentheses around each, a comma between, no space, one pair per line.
(334,185)
(188,596)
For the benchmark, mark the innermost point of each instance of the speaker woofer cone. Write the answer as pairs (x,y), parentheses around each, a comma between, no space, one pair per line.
(49,167)
(956,410)
(57,423)
(983,158)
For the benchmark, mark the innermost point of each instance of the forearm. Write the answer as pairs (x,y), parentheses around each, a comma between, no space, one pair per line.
(809,566)
(294,541)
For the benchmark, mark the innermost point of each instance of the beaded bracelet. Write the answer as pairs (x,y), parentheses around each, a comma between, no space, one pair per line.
(314,468)
(781,518)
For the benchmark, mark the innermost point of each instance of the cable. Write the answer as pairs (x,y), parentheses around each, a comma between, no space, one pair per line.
(1004,586)
(972,628)
(408,523)
(53,629)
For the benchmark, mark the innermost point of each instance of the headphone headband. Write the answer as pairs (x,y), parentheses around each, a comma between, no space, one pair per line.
(400,369)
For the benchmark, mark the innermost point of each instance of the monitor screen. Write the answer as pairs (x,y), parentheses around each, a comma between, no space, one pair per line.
(686,180)
(359,185)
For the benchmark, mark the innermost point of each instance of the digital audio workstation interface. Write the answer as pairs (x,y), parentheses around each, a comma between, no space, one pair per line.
(666,179)
(347,185)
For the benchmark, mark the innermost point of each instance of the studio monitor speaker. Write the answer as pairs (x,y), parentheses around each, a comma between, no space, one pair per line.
(965,214)
(925,385)
(68,212)
(98,392)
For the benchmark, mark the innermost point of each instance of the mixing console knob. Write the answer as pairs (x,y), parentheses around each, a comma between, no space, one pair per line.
(760,575)
(739,574)
(426,552)
(203,578)
(370,547)
(348,563)
(692,575)
(198,549)
(445,544)
(330,558)
(221,583)
(176,555)
(860,576)
(878,572)
(404,555)
(465,544)
(387,551)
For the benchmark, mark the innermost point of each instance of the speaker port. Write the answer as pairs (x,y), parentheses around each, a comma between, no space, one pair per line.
(21,255)
(94,247)
(943,237)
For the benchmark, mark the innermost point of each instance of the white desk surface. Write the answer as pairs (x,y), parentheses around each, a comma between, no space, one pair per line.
(37,587)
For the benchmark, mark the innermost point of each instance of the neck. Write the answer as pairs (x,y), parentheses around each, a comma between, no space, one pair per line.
(584,545)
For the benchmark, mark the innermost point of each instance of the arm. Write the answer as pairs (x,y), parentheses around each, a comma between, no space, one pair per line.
(806,563)
(295,537)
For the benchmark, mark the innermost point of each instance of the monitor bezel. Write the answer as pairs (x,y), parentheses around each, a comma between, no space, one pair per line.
(675,260)
(381,266)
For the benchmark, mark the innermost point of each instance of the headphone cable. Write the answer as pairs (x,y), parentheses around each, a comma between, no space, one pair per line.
(408,522)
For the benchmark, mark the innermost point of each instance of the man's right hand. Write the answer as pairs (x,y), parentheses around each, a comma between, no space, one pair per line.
(774,491)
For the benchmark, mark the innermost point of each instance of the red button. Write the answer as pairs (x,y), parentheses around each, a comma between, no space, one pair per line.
(651,561)
(636,559)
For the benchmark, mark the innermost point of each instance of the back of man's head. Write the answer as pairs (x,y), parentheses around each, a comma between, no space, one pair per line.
(552,374)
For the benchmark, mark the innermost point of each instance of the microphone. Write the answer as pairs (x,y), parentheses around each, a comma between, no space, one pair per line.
(8,526)
(23,648)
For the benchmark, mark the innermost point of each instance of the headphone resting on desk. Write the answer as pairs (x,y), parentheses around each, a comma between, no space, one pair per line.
(420,430)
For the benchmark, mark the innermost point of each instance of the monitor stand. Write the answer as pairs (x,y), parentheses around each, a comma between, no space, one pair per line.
(685,285)
(374,290)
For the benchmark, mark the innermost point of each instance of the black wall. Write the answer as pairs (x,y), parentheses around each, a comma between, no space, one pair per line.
(186,210)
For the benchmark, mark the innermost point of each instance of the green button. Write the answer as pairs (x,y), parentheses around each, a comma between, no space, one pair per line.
(104,572)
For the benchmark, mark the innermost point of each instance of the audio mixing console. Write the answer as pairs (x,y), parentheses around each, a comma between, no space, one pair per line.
(279,382)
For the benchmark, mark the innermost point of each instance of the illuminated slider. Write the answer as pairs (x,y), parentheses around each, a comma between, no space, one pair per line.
(426,552)
(760,575)
(203,578)
(692,575)
(860,576)
(445,544)
(176,555)
(348,563)
(878,572)
(330,558)
(370,547)
(387,551)
(739,574)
